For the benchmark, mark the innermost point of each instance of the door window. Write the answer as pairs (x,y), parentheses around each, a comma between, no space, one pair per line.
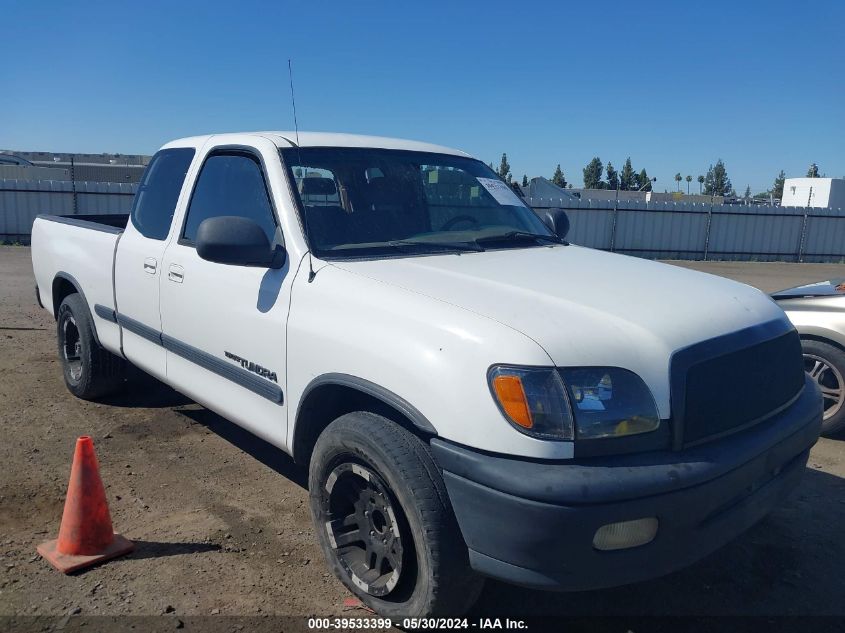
(230,184)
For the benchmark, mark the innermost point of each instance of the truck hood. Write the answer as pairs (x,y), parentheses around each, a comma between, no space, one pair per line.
(583,306)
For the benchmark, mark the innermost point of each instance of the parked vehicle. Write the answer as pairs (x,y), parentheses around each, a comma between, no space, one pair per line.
(818,313)
(474,396)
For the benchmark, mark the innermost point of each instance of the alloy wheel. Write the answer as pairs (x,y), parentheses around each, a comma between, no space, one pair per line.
(363,528)
(829,380)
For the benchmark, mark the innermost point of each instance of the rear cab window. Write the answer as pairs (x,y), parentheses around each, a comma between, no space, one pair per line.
(158,192)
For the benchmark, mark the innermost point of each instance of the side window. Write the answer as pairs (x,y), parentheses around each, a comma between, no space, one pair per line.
(158,192)
(230,184)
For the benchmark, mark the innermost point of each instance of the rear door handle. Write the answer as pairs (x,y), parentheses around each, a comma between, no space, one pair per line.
(176,273)
(150,265)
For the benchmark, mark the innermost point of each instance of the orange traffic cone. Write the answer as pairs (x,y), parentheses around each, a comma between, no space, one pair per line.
(86,536)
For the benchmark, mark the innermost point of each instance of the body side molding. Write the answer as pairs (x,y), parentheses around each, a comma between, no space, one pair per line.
(136,327)
(105,313)
(242,377)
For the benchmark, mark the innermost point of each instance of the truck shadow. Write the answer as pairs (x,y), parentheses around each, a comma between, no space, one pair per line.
(788,564)
(269,455)
(145,392)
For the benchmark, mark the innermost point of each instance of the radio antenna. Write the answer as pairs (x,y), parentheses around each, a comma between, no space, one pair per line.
(293,102)
(311,273)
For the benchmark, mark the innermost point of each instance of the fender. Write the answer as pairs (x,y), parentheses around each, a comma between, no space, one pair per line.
(371,389)
(820,333)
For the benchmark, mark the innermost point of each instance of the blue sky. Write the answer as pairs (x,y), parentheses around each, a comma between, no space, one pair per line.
(674,85)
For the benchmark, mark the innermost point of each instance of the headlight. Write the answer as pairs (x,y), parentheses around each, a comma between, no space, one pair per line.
(582,403)
(533,400)
(609,402)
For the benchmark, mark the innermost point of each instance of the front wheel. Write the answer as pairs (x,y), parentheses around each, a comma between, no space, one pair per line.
(384,520)
(826,365)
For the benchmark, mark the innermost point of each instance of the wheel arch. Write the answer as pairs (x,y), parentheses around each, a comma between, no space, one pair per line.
(823,336)
(329,396)
(64,285)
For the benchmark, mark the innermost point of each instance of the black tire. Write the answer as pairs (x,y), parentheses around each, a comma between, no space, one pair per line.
(90,371)
(826,365)
(390,471)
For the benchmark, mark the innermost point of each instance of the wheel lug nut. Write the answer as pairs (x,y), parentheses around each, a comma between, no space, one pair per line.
(372,533)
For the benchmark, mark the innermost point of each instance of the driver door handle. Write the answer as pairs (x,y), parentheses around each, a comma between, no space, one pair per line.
(150,265)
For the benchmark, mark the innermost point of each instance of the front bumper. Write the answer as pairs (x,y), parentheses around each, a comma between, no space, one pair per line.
(532,523)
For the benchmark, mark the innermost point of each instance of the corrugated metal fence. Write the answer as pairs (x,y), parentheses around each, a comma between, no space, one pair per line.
(664,230)
(22,200)
(668,230)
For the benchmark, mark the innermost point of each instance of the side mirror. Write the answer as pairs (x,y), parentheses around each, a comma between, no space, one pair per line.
(557,221)
(238,241)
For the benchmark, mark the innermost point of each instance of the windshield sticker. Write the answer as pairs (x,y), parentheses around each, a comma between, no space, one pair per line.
(500,191)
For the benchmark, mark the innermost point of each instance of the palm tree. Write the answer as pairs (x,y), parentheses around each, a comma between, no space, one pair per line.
(678,179)
(700,182)
(689,180)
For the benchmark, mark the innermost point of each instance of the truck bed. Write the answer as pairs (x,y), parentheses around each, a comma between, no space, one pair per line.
(77,252)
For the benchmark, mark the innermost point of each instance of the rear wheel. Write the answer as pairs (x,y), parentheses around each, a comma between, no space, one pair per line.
(90,371)
(825,364)
(384,520)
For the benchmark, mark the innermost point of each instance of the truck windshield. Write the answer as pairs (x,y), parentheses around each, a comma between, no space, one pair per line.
(363,202)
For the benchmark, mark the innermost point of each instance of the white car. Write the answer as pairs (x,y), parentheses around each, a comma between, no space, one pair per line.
(818,312)
(475,396)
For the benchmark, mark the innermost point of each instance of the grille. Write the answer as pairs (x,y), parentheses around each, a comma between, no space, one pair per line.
(738,388)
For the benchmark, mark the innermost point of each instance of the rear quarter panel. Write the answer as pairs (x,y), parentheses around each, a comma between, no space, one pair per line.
(83,254)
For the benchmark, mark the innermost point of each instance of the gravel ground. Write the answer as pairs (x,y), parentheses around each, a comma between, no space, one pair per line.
(220,519)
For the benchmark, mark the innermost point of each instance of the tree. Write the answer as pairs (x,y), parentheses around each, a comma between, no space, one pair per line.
(627,177)
(592,174)
(717,183)
(777,189)
(813,171)
(505,168)
(689,180)
(643,182)
(678,179)
(524,180)
(558,178)
(747,195)
(700,182)
(612,177)
(490,165)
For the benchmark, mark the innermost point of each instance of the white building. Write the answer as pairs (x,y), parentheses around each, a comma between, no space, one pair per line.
(814,192)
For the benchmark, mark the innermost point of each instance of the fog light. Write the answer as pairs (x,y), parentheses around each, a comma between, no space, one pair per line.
(625,534)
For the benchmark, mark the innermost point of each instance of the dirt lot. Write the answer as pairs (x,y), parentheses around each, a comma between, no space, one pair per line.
(221,522)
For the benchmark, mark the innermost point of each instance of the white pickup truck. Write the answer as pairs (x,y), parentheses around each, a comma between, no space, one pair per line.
(474,395)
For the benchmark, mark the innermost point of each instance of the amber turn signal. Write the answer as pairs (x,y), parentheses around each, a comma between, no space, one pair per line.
(511,396)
